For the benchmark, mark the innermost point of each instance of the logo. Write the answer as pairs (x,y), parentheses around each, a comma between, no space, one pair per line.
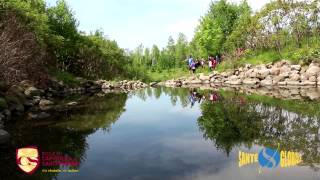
(269,158)
(28,159)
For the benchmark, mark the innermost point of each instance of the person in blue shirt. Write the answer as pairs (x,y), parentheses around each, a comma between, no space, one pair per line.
(190,62)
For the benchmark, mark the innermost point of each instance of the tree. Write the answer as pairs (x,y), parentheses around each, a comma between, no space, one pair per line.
(181,49)
(63,27)
(155,55)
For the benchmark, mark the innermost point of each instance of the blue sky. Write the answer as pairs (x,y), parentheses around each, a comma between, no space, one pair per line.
(132,22)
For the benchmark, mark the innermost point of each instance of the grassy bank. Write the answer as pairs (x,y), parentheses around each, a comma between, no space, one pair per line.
(303,55)
(173,73)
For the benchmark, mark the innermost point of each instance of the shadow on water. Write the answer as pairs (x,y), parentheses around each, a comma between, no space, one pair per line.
(228,119)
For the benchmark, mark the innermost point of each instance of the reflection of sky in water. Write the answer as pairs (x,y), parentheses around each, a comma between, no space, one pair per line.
(154,140)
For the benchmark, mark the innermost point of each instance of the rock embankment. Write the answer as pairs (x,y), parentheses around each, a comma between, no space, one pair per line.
(279,74)
(17,99)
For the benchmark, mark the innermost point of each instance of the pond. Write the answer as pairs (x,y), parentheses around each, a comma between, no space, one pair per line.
(174,133)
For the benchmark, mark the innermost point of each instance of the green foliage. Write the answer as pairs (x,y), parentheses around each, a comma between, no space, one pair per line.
(66,77)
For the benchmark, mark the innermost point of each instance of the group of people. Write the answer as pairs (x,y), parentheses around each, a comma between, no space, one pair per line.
(212,63)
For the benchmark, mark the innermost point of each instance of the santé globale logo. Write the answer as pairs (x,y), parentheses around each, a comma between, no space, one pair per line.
(270,158)
(28,159)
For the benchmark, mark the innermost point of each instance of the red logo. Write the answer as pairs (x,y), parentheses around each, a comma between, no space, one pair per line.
(28,159)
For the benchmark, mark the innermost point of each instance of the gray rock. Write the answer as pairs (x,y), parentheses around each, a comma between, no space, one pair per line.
(282,83)
(312,78)
(293,83)
(275,71)
(32,91)
(296,67)
(251,81)
(72,103)
(45,102)
(295,77)
(285,69)
(4,136)
(196,81)
(313,70)
(106,86)
(308,83)
(266,82)
(313,95)
(236,82)
(263,73)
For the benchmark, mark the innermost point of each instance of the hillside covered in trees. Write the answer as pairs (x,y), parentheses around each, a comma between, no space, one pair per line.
(38,42)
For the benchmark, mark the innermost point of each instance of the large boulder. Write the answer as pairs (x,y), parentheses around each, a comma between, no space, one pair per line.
(295,67)
(277,79)
(285,74)
(313,70)
(295,77)
(263,73)
(285,69)
(313,95)
(275,71)
(268,81)
(312,79)
(26,83)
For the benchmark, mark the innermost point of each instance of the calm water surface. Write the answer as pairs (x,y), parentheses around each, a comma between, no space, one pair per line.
(164,133)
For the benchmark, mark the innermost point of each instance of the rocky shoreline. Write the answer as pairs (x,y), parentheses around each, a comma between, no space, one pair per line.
(279,74)
(25,99)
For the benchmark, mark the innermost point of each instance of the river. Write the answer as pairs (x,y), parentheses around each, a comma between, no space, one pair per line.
(173,133)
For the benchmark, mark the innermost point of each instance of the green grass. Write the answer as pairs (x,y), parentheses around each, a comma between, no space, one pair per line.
(65,77)
(303,55)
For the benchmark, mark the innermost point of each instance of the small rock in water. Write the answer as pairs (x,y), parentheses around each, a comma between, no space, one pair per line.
(4,136)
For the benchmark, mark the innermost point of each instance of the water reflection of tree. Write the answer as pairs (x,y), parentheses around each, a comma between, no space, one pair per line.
(229,124)
(65,133)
